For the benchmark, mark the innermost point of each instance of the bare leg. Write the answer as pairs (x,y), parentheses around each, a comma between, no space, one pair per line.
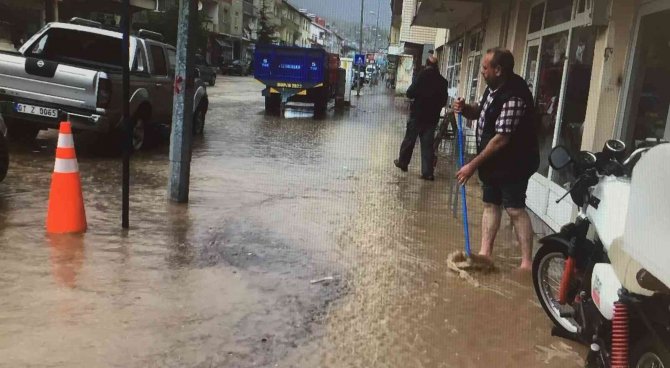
(524,234)
(490,225)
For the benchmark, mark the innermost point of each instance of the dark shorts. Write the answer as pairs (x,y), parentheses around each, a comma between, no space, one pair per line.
(509,195)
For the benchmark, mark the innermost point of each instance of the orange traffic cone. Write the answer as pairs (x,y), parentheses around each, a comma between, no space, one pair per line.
(66,212)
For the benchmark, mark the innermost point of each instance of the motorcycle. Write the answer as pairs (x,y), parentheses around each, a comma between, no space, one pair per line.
(603,279)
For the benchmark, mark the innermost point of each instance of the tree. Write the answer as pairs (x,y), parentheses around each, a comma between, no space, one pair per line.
(267,29)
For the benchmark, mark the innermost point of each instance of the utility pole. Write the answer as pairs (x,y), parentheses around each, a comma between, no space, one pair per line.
(127,128)
(377,26)
(360,51)
(181,137)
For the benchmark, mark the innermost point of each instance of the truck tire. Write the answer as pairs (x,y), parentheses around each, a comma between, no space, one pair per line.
(273,104)
(4,158)
(321,106)
(199,119)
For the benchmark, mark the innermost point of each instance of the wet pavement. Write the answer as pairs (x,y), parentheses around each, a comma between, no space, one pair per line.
(234,278)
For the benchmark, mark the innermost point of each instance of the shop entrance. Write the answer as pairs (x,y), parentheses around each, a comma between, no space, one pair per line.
(648,95)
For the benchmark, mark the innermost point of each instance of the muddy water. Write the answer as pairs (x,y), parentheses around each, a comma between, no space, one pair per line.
(226,281)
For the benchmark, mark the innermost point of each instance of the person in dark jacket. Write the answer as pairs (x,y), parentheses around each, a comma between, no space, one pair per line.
(429,92)
(507,150)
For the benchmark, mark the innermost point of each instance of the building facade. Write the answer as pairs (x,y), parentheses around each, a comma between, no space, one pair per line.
(598,69)
(407,37)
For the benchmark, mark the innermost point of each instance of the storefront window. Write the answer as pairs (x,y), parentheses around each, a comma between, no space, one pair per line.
(550,78)
(454,68)
(650,80)
(558,11)
(536,17)
(576,97)
(531,66)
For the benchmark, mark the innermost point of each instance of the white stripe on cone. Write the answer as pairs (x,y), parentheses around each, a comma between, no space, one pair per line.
(66,166)
(65,140)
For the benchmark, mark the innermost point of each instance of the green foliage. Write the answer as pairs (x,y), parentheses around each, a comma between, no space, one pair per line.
(266,29)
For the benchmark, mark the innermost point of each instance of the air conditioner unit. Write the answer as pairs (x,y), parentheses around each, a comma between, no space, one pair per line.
(593,12)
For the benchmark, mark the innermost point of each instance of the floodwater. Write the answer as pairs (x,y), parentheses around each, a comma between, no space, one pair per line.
(235,278)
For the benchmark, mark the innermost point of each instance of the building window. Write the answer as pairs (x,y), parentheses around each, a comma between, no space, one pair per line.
(558,11)
(536,18)
(474,62)
(454,68)
(647,114)
(557,69)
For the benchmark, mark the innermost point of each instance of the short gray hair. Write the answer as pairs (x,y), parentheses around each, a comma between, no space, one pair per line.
(503,58)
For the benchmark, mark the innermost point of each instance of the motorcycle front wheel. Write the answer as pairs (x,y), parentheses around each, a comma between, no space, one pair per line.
(646,355)
(548,267)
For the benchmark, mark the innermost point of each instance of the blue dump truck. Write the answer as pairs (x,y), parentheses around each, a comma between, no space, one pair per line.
(297,74)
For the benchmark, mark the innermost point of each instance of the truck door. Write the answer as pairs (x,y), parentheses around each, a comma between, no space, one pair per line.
(162,89)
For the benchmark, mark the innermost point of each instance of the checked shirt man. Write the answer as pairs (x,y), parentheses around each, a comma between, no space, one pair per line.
(507,150)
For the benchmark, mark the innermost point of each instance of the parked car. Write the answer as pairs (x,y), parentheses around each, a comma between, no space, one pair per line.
(235,67)
(73,71)
(206,71)
(4,151)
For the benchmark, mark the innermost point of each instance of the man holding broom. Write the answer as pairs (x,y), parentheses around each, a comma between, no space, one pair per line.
(507,150)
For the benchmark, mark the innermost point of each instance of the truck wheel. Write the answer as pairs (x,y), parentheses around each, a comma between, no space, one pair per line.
(22,132)
(273,104)
(139,133)
(320,109)
(212,81)
(4,158)
(199,119)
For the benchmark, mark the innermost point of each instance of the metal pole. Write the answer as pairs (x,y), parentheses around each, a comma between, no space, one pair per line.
(127,128)
(360,51)
(377,26)
(182,118)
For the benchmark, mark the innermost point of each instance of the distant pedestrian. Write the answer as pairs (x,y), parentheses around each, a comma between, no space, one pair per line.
(429,92)
(507,150)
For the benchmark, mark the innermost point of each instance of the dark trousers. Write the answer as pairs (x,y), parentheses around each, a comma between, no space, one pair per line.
(427,136)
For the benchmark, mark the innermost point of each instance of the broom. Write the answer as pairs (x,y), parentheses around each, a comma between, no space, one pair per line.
(462,261)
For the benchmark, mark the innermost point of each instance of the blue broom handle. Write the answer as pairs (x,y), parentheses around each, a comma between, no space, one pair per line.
(461,162)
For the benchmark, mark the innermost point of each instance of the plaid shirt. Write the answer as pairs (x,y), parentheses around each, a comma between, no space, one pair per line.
(509,118)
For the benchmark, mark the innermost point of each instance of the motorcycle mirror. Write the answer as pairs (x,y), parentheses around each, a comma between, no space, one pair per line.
(559,157)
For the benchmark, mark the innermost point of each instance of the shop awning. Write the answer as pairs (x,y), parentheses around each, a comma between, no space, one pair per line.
(224,44)
(445,13)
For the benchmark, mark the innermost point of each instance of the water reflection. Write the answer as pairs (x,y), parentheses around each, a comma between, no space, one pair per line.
(67,257)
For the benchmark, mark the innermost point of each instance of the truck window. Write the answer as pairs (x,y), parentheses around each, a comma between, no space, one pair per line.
(140,63)
(77,47)
(172,59)
(158,58)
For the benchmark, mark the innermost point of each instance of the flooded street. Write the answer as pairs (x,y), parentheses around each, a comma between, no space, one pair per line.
(236,277)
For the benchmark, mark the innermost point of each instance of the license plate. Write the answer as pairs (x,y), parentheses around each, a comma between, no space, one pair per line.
(36,110)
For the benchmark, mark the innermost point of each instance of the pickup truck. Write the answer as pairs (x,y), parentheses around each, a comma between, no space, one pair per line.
(297,74)
(74,71)
(4,150)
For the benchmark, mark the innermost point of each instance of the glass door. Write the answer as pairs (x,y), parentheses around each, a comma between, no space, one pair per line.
(549,87)
(532,61)
(647,114)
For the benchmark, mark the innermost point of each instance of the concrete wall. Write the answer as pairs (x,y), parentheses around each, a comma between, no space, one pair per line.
(409,33)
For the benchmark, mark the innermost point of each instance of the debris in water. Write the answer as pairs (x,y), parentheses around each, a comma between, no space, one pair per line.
(459,263)
(318,281)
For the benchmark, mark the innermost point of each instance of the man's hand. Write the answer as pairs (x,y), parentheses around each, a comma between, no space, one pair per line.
(465,173)
(459,104)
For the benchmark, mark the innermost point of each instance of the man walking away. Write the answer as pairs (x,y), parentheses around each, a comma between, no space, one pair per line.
(429,92)
(507,150)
